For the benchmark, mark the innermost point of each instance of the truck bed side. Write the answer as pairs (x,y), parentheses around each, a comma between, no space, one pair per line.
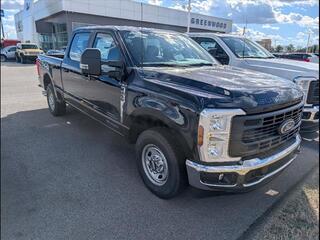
(49,70)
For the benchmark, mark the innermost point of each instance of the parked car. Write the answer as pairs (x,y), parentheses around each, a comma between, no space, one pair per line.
(27,52)
(222,128)
(241,52)
(8,53)
(305,57)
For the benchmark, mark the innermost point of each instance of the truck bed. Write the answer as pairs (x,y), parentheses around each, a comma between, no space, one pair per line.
(50,65)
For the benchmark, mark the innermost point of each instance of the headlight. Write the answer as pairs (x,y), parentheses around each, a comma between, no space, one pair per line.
(218,123)
(214,134)
(304,84)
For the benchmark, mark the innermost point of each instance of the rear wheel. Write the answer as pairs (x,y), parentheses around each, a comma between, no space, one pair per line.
(3,58)
(17,59)
(160,163)
(55,107)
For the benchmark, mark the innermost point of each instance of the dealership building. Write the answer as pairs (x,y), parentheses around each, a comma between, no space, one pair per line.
(50,23)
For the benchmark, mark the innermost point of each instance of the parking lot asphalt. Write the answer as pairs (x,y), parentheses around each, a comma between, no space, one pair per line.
(71,178)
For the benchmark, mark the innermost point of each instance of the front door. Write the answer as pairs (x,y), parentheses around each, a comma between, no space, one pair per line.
(102,92)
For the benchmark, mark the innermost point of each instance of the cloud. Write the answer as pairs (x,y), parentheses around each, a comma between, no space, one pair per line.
(11,4)
(268,26)
(155,2)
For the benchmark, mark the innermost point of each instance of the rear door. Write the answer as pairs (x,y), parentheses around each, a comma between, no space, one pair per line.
(74,83)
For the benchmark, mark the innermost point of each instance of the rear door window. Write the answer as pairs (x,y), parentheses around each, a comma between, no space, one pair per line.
(79,44)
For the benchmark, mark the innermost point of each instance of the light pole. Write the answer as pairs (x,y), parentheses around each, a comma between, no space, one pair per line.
(189,15)
(308,42)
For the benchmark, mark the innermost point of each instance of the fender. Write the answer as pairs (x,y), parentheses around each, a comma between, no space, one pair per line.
(164,111)
(149,112)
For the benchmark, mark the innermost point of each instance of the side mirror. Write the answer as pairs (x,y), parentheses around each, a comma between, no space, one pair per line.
(90,62)
(114,69)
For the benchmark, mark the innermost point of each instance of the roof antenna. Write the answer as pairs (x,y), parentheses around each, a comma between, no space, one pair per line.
(141,40)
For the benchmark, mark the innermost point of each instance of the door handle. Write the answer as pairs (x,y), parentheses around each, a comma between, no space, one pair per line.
(65,70)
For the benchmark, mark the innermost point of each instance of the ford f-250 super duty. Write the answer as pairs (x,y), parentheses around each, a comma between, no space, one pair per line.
(238,51)
(191,118)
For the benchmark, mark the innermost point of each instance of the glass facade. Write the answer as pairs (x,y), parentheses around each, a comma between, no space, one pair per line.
(58,39)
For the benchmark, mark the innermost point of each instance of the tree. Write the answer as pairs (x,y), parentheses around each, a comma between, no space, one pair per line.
(279,48)
(290,48)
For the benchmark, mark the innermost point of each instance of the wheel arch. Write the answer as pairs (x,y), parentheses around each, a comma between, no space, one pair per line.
(141,121)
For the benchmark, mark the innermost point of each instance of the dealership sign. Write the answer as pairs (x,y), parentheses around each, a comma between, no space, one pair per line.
(197,22)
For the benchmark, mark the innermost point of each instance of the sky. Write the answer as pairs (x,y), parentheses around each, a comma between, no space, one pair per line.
(284,21)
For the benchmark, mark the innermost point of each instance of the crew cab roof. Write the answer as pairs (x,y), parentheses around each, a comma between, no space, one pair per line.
(122,28)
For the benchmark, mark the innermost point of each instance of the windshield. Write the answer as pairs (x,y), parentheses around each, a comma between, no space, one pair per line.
(245,48)
(165,49)
(29,46)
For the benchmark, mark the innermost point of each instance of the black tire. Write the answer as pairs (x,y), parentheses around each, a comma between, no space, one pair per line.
(56,108)
(17,59)
(3,58)
(176,178)
(23,60)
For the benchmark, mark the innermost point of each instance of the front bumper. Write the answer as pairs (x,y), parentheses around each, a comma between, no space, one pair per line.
(244,176)
(30,57)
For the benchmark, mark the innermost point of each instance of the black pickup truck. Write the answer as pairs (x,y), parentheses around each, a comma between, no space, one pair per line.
(192,119)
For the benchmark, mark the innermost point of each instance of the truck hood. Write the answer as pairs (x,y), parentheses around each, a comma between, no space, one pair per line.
(285,68)
(228,87)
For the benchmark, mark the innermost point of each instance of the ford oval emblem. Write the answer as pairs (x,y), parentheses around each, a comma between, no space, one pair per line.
(287,126)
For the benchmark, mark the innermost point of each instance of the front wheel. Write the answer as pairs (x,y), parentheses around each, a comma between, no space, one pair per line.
(17,59)
(23,60)
(160,163)
(3,58)
(55,107)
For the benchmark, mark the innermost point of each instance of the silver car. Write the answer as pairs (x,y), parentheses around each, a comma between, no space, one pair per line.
(8,53)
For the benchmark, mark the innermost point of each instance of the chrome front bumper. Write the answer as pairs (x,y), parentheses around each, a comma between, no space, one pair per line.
(240,171)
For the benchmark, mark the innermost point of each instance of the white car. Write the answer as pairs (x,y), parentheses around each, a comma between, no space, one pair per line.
(8,53)
(241,52)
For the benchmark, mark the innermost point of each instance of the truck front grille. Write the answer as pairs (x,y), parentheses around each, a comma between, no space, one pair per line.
(313,93)
(255,135)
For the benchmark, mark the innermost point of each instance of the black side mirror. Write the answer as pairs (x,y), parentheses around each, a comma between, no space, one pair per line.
(114,69)
(90,62)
